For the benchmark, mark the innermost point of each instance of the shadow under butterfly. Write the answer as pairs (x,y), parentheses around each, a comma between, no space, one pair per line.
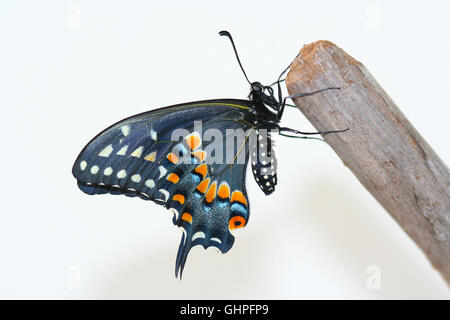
(162,155)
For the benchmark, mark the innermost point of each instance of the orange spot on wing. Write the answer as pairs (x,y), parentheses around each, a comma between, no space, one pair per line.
(173,177)
(202,169)
(202,186)
(178,197)
(186,217)
(151,157)
(200,154)
(172,158)
(211,194)
(236,222)
(238,196)
(193,140)
(224,191)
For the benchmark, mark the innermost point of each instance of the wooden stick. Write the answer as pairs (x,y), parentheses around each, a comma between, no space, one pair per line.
(382,149)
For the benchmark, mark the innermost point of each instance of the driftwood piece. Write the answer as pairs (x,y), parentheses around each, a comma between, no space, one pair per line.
(382,149)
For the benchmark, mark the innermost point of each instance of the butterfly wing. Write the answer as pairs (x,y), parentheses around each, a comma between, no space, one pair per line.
(141,156)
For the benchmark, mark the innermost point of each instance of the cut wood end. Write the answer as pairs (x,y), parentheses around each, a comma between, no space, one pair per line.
(310,58)
(309,49)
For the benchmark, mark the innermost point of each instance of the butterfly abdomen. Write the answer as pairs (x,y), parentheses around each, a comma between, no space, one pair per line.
(264,162)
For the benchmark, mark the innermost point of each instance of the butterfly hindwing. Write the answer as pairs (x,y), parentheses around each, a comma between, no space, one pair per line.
(215,207)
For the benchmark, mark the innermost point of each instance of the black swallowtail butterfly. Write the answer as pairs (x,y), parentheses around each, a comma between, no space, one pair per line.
(200,178)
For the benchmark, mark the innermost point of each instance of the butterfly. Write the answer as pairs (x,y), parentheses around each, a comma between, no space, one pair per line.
(192,159)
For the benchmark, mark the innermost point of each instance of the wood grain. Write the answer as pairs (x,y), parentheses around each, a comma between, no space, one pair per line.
(382,148)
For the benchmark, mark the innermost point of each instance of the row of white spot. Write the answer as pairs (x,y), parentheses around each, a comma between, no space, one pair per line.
(121,174)
(201,235)
(126,131)
(106,152)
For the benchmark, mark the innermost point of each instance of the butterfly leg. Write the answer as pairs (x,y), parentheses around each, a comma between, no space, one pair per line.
(299,95)
(285,129)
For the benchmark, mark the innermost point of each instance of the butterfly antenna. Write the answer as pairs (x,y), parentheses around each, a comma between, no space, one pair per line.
(283,72)
(227,34)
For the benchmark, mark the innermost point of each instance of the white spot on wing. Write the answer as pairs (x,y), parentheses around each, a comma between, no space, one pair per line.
(108,171)
(165,193)
(125,130)
(184,232)
(175,212)
(94,169)
(150,183)
(216,240)
(121,174)
(123,150)
(106,152)
(153,134)
(162,171)
(197,235)
(83,165)
(138,152)
(136,178)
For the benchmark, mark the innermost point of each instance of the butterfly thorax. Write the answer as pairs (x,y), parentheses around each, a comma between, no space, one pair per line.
(263,103)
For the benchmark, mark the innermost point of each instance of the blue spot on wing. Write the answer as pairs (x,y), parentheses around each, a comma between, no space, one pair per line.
(239,208)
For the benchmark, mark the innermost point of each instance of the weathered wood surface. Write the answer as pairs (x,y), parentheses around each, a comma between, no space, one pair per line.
(382,149)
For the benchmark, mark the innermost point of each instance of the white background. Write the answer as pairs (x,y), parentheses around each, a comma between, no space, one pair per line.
(70,68)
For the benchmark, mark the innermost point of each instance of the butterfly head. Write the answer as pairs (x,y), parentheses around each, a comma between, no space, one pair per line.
(257,87)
